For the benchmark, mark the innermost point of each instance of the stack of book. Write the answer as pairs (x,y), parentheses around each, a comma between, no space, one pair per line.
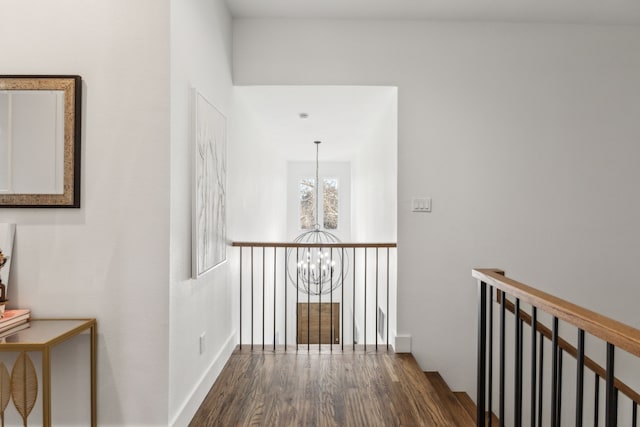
(13,321)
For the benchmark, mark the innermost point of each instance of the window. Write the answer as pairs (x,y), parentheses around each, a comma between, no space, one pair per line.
(334,204)
(307,203)
(329,196)
(330,203)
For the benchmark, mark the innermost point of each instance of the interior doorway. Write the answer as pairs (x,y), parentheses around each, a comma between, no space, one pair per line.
(318,323)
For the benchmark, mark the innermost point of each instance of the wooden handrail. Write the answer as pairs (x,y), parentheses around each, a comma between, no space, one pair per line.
(571,350)
(312,245)
(612,331)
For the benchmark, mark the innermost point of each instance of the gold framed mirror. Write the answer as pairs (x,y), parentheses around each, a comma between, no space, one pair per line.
(40,122)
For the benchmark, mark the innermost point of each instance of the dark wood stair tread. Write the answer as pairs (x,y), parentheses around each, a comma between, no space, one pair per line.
(467,403)
(459,413)
(470,406)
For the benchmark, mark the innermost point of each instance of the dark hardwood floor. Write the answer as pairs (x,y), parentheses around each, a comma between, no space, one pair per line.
(325,388)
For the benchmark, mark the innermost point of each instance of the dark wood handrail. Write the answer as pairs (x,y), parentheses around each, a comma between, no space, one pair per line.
(571,350)
(612,331)
(312,245)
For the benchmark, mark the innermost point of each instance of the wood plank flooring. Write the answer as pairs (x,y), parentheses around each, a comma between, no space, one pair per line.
(325,388)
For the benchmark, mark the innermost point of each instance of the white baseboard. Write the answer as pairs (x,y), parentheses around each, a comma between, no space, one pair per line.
(402,344)
(191,405)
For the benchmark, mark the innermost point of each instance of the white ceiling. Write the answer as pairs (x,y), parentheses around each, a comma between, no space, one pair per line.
(342,117)
(560,11)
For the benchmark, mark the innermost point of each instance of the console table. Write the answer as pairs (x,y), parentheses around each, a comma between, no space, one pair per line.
(44,334)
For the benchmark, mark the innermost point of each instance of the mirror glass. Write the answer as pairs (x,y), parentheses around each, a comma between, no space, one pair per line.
(39,141)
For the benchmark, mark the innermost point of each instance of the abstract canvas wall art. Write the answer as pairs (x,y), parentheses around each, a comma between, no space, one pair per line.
(209,187)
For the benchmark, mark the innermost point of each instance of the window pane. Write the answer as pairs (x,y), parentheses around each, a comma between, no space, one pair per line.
(330,203)
(307,203)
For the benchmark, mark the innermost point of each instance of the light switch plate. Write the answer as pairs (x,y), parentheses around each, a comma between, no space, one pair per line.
(421,204)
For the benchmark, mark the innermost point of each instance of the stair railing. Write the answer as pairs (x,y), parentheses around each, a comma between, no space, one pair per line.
(355,311)
(615,334)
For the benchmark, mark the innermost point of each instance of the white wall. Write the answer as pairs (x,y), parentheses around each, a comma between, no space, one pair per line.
(257,175)
(374,172)
(524,135)
(200,58)
(107,259)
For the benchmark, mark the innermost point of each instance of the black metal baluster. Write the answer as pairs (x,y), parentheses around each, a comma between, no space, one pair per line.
(611,409)
(251,297)
(490,361)
(353,313)
(559,412)
(540,380)
(240,298)
(387,329)
(286,272)
(534,344)
(376,309)
(365,300)
(308,299)
(554,374)
(518,366)
(331,331)
(297,297)
(580,379)
(275,257)
(634,416)
(320,298)
(482,353)
(263,292)
(596,406)
(503,324)
(342,300)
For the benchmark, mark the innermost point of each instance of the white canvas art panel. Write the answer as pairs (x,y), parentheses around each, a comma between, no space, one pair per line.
(209,187)
(7,234)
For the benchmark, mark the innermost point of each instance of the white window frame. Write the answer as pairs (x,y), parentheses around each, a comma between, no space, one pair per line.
(339,171)
(320,213)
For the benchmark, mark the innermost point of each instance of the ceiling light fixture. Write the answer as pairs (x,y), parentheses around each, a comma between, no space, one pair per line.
(317,270)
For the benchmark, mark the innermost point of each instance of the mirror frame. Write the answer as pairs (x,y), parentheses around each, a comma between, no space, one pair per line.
(72,87)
